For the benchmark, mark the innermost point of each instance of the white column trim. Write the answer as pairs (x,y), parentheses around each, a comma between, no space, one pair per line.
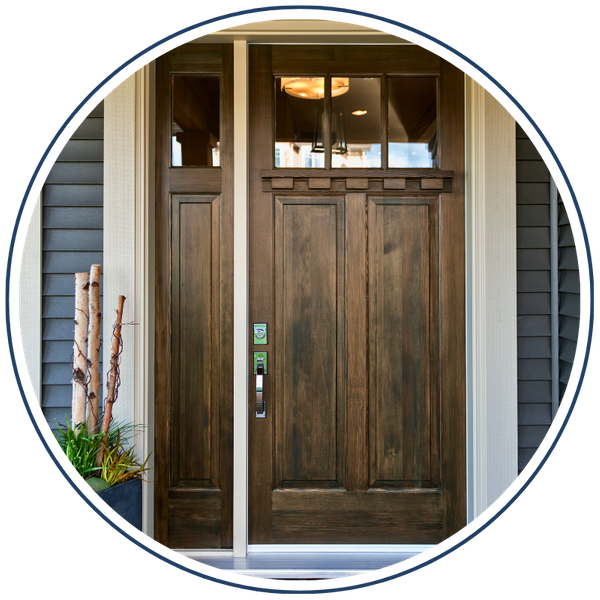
(128,255)
(144,280)
(491,288)
(240,299)
(119,268)
(30,299)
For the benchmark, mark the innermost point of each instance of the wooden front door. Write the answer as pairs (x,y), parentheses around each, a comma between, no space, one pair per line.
(357,270)
(356,263)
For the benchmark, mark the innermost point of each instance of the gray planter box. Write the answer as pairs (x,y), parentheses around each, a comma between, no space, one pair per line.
(126,500)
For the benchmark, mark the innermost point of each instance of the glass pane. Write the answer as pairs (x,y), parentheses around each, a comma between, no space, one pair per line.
(412,116)
(356,122)
(195,127)
(299,106)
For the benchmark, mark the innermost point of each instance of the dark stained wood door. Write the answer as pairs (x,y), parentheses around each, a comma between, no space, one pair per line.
(193,475)
(359,275)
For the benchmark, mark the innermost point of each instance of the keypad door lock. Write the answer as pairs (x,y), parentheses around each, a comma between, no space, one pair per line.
(260,333)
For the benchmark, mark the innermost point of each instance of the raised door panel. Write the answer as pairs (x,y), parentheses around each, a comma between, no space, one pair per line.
(309,287)
(403,362)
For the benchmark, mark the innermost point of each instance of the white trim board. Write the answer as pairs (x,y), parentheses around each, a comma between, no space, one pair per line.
(128,255)
(30,299)
(491,298)
(312,548)
(241,322)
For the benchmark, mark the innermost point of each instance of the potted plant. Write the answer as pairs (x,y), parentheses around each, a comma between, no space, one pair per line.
(99,447)
(118,479)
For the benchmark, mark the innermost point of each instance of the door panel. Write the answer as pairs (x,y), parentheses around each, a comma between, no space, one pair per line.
(403,263)
(359,275)
(309,286)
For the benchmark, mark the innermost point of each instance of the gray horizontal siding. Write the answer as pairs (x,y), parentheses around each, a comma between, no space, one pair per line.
(57,351)
(533,281)
(54,395)
(531,436)
(58,284)
(72,216)
(73,195)
(532,193)
(533,259)
(534,365)
(534,347)
(534,298)
(533,325)
(534,391)
(92,127)
(69,262)
(82,150)
(569,303)
(76,172)
(73,240)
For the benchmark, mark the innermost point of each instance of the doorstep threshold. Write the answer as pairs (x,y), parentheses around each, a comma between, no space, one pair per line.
(308,562)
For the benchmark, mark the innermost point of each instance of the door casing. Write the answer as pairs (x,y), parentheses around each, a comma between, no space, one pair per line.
(161,335)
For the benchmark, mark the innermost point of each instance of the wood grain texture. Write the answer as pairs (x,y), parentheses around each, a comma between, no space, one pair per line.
(261,309)
(357,339)
(452,301)
(355,60)
(418,494)
(195,266)
(403,267)
(309,292)
(326,517)
(193,323)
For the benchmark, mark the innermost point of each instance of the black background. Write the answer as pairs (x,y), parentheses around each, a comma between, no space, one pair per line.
(54,53)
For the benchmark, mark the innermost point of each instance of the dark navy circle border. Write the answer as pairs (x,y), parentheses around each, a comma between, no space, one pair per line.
(513,103)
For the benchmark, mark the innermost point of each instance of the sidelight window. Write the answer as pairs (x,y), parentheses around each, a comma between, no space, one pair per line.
(195,127)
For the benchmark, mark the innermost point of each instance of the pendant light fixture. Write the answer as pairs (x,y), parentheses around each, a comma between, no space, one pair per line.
(313,88)
(338,132)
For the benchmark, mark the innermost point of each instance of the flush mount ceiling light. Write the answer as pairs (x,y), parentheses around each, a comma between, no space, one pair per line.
(313,88)
(359,113)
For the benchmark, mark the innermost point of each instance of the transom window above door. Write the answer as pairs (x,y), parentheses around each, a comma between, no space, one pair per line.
(355,122)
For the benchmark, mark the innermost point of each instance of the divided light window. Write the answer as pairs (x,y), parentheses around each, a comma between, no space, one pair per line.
(359,122)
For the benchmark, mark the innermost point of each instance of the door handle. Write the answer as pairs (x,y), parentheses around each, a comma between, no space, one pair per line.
(260,363)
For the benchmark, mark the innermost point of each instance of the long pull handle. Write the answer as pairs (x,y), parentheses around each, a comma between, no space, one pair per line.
(260,401)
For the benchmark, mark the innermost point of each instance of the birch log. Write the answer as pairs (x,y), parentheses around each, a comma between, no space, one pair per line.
(113,379)
(82,284)
(95,317)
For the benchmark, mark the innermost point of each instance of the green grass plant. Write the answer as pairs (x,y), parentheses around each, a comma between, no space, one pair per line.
(80,448)
(119,463)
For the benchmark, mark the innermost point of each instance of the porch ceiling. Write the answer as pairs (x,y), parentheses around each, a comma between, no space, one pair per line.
(302,32)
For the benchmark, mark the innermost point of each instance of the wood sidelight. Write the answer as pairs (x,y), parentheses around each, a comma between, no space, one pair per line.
(359,275)
(194,302)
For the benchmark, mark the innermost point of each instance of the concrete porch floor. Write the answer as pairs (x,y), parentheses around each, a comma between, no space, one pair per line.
(307,564)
